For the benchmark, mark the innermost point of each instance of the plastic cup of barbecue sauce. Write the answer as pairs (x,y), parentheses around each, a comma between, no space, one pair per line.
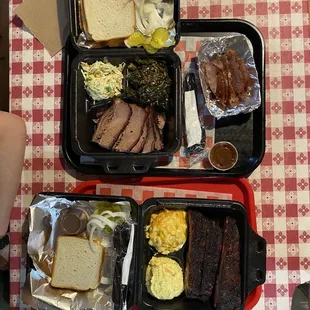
(73,221)
(223,156)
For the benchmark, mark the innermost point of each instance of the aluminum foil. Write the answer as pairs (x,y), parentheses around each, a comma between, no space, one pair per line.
(44,228)
(219,45)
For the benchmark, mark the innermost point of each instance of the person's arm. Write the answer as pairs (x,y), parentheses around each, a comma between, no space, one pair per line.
(12,150)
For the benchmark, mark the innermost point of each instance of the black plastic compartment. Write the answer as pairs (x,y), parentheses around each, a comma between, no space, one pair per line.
(246,131)
(83,111)
(74,18)
(135,216)
(252,250)
(253,247)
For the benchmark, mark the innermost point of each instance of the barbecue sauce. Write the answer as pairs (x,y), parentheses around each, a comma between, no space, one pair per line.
(223,156)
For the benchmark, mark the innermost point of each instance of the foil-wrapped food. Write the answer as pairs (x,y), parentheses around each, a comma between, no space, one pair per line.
(71,245)
(228,75)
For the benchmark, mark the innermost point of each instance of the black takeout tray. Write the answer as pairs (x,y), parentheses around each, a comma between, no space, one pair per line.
(245,131)
(74,20)
(252,247)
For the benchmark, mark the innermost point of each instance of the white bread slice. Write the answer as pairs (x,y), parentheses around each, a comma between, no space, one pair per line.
(109,19)
(76,266)
(82,21)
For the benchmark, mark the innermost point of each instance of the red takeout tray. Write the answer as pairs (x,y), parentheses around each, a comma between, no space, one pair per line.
(239,188)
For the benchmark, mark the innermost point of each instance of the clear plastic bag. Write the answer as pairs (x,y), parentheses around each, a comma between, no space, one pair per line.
(198,122)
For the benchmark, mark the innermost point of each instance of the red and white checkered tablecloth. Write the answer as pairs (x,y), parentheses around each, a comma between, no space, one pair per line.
(281,183)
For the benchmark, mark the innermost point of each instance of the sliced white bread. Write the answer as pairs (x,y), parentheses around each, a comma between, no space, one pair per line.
(109,19)
(82,21)
(76,266)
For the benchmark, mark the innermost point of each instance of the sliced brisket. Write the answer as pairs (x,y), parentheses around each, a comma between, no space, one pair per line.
(245,73)
(228,285)
(158,138)
(209,71)
(222,78)
(140,144)
(150,139)
(112,123)
(161,121)
(228,78)
(221,90)
(129,128)
(237,77)
(232,98)
(104,118)
(133,131)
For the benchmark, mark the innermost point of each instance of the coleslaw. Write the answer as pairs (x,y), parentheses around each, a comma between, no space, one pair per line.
(102,80)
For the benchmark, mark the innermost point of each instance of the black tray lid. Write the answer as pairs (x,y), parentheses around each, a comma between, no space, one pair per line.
(75,30)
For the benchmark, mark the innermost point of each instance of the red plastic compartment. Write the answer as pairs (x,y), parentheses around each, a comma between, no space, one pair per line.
(239,188)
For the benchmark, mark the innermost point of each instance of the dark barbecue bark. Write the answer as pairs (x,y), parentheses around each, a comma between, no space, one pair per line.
(150,138)
(211,258)
(228,285)
(195,255)
(237,76)
(158,138)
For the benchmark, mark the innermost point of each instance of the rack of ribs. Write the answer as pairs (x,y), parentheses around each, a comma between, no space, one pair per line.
(213,261)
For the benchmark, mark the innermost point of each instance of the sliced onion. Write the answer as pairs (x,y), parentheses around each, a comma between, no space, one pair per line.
(100,221)
(149,8)
(168,13)
(104,241)
(148,18)
(91,241)
(94,222)
(155,21)
(114,214)
(142,16)
(103,220)
(140,19)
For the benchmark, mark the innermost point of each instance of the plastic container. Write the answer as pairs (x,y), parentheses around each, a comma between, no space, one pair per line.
(252,254)
(245,131)
(83,111)
(223,156)
(252,250)
(74,19)
(73,221)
